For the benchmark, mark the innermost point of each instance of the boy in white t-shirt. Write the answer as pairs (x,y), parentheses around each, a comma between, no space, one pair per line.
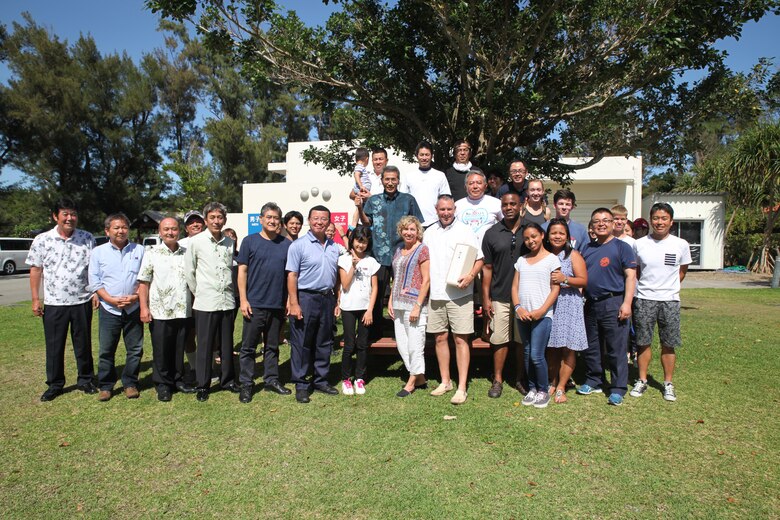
(662,261)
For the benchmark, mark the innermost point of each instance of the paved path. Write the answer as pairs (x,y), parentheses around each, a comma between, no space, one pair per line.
(723,280)
(14,289)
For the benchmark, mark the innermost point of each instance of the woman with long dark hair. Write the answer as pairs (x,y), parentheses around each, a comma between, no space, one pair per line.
(567,336)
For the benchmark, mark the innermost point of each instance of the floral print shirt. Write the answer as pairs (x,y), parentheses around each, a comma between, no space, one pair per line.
(169,296)
(65,265)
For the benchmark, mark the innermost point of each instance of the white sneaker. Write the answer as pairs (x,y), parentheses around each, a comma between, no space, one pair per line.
(360,387)
(639,388)
(669,394)
(346,387)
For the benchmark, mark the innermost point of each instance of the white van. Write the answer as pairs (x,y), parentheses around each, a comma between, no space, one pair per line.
(151,241)
(13,253)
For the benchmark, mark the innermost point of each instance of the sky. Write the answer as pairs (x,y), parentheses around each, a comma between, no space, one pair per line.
(126,26)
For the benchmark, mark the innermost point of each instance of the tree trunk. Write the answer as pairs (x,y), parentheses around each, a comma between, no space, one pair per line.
(762,265)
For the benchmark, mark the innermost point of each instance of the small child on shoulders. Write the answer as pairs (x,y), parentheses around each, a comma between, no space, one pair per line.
(362,179)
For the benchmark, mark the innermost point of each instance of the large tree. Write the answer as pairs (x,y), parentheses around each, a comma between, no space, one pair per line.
(80,123)
(539,78)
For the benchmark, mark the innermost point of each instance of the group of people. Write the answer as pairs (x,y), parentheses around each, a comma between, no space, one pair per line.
(536,277)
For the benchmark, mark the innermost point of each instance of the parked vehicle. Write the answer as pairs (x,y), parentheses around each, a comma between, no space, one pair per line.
(152,241)
(13,253)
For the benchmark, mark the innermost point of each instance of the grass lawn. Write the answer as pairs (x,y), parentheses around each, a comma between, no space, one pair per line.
(713,453)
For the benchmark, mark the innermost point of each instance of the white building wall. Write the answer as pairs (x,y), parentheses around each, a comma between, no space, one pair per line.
(707,208)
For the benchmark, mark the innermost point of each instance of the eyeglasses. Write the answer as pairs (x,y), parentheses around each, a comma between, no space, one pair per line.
(518,171)
(514,243)
(596,222)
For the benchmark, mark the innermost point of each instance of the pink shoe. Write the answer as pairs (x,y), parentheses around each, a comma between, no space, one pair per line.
(346,387)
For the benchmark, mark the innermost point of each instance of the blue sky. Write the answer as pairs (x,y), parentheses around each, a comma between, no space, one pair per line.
(125,26)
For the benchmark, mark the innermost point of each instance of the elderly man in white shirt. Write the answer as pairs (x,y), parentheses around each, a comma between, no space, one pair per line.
(165,305)
(450,306)
(477,210)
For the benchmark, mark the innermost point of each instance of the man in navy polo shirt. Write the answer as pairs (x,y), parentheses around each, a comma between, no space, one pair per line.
(312,263)
(262,287)
(611,267)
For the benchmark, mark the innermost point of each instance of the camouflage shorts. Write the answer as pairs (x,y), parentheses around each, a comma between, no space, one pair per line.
(667,314)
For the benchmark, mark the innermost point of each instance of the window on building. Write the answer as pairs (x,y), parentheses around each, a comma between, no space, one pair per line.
(691,231)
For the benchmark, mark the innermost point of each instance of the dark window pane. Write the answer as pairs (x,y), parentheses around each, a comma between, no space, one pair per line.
(696,255)
(691,231)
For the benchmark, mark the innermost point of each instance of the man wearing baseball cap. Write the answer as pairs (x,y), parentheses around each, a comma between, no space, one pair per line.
(194,223)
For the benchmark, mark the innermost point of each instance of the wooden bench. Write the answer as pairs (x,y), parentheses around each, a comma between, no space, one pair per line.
(387,345)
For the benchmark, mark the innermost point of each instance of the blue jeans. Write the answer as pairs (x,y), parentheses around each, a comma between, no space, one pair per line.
(535,335)
(110,327)
(604,328)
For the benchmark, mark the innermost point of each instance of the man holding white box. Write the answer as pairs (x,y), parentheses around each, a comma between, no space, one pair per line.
(451,306)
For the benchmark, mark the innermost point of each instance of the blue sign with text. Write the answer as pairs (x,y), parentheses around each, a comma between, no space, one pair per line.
(253,224)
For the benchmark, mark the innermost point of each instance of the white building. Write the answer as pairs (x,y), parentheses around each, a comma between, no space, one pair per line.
(699,218)
(613,180)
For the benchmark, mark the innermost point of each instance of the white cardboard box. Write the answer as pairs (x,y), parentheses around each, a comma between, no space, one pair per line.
(462,263)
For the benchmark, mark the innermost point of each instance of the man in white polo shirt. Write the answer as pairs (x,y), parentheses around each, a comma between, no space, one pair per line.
(662,261)
(426,183)
(450,307)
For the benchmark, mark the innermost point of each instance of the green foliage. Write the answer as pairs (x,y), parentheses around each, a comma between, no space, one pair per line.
(535,79)
(116,136)
(80,123)
(21,212)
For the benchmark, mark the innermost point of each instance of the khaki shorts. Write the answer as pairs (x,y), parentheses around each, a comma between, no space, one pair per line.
(457,315)
(503,325)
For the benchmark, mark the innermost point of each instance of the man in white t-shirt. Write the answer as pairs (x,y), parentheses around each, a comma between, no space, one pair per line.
(477,210)
(426,183)
(451,307)
(662,260)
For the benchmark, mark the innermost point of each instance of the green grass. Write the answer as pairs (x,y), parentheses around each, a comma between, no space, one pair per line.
(714,453)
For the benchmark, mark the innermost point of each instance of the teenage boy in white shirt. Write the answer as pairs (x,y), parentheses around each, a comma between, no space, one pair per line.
(662,261)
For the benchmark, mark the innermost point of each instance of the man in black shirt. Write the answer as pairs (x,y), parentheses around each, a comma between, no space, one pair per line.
(456,174)
(501,247)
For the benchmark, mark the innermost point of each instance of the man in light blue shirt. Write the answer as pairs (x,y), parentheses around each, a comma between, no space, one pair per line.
(312,263)
(113,276)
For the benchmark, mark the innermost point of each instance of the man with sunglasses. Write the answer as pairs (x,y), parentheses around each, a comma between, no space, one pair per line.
(501,246)
(611,267)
